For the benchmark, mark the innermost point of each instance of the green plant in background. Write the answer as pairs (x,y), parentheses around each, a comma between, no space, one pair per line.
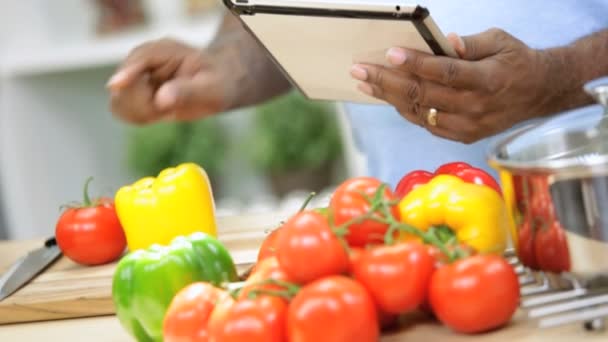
(155,147)
(293,133)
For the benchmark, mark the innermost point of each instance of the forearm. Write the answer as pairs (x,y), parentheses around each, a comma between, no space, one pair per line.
(250,75)
(572,66)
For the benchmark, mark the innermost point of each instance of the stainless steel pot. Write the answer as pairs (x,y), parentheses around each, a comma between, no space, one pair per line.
(555,180)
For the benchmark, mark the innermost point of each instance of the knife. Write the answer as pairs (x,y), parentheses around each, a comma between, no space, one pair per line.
(27,267)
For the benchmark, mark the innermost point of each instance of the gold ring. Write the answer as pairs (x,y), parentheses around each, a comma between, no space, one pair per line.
(431,117)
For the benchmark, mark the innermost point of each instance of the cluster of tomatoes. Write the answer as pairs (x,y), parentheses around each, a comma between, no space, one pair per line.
(542,243)
(337,274)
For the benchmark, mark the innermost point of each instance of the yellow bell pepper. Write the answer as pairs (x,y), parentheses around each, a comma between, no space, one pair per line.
(509,196)
(177,202)
(475,214)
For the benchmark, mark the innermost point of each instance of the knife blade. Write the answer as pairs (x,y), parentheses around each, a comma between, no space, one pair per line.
(28,267)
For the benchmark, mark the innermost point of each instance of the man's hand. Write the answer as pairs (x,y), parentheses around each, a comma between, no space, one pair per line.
(498,82)
(167,79)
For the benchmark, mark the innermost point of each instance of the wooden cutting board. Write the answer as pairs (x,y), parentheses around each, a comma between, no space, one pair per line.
(68,290)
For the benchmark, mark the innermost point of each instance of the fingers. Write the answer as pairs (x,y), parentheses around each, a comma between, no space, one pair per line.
(444,124)
(190,98)
(448,125)
(163,80)
(161,58)
(457,44)
(451,72)
(126,76)
(410,88)
(178,99)
(134,103)
(484,44)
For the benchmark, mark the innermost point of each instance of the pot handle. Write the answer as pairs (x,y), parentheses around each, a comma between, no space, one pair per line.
(598,89)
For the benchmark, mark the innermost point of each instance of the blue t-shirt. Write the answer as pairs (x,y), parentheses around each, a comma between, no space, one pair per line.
(393,146)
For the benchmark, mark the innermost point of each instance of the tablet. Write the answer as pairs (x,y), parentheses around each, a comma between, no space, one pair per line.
(315,42)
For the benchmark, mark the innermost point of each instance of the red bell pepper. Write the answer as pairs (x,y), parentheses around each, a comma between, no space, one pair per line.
(464,171)
(450,168)
(469,174)
(411,181)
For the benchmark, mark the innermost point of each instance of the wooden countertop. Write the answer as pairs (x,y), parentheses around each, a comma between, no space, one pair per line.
(108,329)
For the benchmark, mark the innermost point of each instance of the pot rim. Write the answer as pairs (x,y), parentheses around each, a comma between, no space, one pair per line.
(569,165)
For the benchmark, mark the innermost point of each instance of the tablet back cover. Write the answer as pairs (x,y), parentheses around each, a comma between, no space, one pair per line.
(317,52)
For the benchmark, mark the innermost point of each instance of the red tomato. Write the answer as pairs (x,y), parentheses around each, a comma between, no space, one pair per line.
(347,203)
(268,248)
(91,234)
(268,268)
(475,294)
(307,248)
(540,206)
(396,276)
(521,188)
(354,256)
(262,319)
(549,246)
(441,259)
(333,309)
(188,314)
(411,181)
(450,168)
(551,249)
(525,245)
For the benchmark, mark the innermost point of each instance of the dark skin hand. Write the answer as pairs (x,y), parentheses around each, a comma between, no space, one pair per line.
(170,80)
(497,82)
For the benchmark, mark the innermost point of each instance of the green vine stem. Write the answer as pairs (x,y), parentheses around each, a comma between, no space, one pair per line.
(307,201)
(87,199)
(289,290)
(441,236)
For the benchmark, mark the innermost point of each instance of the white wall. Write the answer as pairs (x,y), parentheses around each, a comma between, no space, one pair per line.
(55,126)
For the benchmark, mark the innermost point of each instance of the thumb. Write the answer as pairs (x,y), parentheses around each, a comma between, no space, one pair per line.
(478,46)
(188,97)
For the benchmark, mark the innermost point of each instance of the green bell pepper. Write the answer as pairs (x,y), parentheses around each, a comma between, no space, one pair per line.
(146,280)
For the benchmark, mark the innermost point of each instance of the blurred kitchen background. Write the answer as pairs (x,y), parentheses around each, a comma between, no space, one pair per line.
(56,129)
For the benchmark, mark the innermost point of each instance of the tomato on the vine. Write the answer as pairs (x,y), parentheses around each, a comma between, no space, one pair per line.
(551,248)
(260,319)
(268,247)
(475,294)
(308,249)
(349,202)
(265,270)
(354,256)
(90,233)
(188,314)
(525,242)
(333,309)
(441,258)
(396,276)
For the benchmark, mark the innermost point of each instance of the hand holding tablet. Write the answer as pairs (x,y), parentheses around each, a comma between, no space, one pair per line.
(315,42)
